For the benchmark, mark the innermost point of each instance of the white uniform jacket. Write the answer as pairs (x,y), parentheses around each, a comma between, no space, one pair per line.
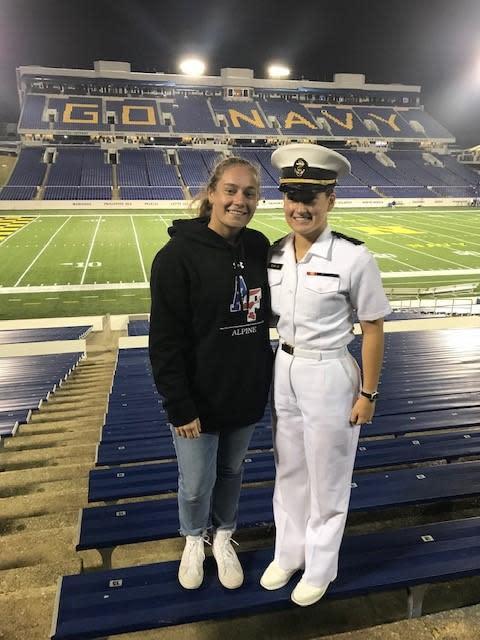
(315,298)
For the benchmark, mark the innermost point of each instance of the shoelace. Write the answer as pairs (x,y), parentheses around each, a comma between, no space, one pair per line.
(194,546)
(228,554)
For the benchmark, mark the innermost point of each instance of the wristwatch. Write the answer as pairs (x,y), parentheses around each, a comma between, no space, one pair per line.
(371,396)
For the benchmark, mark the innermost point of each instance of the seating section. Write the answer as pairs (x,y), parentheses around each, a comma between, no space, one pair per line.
(11,420)
(143,174)
(195,167)
(32,116)
(197,114)
(29,169)
(73,114)
(150,174)
(78,193)
(432,128)
(18,193)
(146,175)
(192,114)
(242,118)
(387,123)
(416,396)
(138,327)
(336,121)
(149,597)
(136,115)
(27,381)
(15,336)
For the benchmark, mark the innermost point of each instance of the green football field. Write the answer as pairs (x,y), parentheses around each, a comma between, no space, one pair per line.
(57,264)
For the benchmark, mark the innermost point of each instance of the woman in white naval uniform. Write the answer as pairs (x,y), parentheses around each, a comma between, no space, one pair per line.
(318,278)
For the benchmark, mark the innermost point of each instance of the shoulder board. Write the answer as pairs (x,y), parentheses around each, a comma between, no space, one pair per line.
(337,234)
(279,240)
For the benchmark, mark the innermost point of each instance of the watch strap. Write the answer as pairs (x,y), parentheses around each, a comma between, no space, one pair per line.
(371,396)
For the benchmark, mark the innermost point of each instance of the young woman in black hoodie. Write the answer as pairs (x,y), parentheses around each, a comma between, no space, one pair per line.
(211,358)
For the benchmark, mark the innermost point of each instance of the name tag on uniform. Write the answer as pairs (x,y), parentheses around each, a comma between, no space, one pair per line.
(318,273)
(275,265)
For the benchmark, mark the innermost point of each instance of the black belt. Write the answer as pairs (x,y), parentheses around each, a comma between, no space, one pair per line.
(327,354)
(287,348)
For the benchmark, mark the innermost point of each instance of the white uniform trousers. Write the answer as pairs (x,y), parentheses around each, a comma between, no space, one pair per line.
(315,448)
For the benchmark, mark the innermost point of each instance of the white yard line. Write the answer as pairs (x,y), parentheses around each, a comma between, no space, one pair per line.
(90,250)
(439,272)
(462,227)
(411,268)
(139,251)
(404,248)
(271,226)
(40,253)
(164,221)
(446,227)
(61,288)
(18,230)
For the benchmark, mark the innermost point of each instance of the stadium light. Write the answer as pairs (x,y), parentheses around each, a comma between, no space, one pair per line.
(192,67)
(278,71)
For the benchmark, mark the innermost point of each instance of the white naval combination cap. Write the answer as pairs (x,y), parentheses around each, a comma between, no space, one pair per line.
(308,167)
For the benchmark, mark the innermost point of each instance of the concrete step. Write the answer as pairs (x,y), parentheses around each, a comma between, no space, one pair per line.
(27,614)
(40,522)
(51,456)
(40,547)
(85,434)
(29,579)
(24,506)
(12,479)
(32,489)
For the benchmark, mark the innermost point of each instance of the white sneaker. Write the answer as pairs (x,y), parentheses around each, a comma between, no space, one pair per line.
(306,594)
(230,571)
(190,571)
(274,577)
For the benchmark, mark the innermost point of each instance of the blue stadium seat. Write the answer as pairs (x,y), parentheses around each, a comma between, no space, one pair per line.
(128,523)
(143,480)
(107,603)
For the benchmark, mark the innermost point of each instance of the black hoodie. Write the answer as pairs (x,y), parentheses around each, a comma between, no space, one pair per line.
(209,336)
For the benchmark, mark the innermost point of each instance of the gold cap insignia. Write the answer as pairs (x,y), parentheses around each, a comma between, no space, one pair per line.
(299,167)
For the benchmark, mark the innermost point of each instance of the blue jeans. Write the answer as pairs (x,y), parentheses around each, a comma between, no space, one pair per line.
(210,472)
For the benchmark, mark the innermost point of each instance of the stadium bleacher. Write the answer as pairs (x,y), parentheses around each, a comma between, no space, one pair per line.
(173,116)
(145,175)
(149,597)
(27,381)
(16,336)
(410,557)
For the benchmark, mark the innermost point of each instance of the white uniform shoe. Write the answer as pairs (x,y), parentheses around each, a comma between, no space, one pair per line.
(190,572)
(306,594)
(274,577)
(230,571)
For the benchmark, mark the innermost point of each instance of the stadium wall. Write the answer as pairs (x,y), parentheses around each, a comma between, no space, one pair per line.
(82,205)
(41,323)
(43,348)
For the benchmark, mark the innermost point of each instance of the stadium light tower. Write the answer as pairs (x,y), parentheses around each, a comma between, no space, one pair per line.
(192,67)
(278,71)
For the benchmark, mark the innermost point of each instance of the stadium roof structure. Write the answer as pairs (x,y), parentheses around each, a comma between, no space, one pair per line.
(228,76)
(114,103)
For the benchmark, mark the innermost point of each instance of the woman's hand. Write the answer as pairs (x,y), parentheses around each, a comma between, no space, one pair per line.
(190,430)
(362,411)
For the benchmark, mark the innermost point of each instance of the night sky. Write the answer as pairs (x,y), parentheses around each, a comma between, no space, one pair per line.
(432,43)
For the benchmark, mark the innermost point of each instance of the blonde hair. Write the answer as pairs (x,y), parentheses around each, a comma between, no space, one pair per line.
(204,206)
